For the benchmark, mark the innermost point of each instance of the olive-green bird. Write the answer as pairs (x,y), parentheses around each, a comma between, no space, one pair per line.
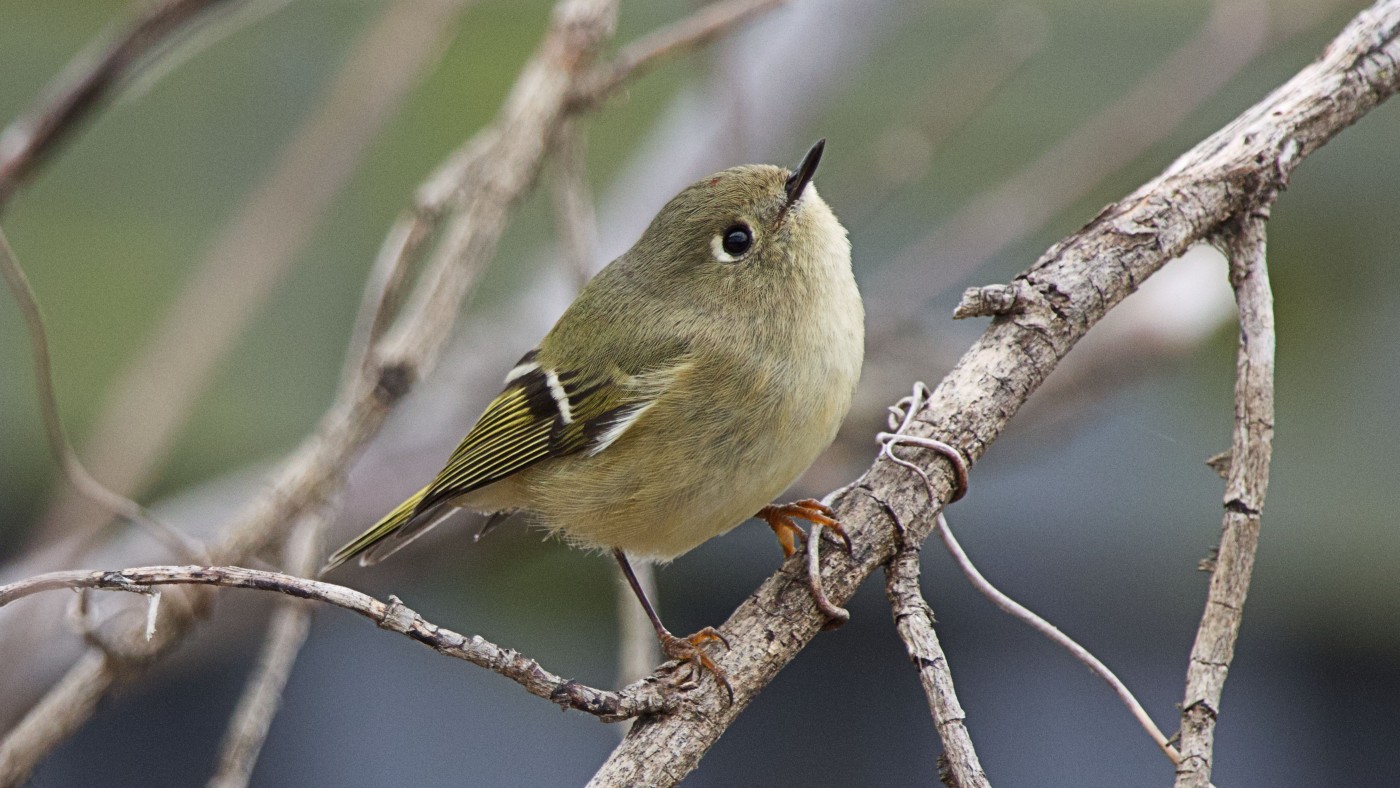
(689,383)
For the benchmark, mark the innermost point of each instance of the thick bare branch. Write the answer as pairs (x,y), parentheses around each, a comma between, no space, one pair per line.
(643,697)
(913,618)
(1246,484)
(1072,286)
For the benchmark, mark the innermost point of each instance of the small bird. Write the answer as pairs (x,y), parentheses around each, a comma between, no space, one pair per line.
(689,383)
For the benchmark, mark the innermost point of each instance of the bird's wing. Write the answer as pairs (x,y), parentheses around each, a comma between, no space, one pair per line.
(541,414)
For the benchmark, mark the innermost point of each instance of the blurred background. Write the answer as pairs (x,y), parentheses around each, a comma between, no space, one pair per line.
(964,138)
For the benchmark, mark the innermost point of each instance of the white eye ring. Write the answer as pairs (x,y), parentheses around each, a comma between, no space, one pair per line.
(733,244)
(717,247)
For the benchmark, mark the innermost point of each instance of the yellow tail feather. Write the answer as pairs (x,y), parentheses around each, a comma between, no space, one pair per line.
(393,522)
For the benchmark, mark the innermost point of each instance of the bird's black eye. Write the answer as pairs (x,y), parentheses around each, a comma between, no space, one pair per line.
(737,240)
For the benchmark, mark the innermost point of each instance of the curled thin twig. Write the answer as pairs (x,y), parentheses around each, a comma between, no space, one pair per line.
(835,614)
(900,418)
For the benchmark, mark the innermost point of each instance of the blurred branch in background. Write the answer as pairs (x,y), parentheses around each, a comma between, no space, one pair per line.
(571,196)
(82,481)
(286,633)
(1246,483)
(1236,34)
(152,400)
(493,171)
(955,93)
(472,194)
(1233,173)
(84,86)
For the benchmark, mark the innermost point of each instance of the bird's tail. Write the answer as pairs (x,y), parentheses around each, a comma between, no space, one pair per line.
(404,523)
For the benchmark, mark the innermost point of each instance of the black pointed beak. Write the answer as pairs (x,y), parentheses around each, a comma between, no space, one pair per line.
(802,176)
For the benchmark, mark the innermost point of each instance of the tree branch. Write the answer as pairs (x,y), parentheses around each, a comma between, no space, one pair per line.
(914,619)
(648,696)
(1071,287)
(1246,484)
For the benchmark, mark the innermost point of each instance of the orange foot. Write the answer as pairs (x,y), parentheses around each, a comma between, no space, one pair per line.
(780,518)
(690,652)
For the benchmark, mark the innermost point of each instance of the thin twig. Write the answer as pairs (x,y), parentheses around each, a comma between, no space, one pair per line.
(1018,611)
(835,614)
(644,697)
(1246,484)
(901,417)
(25,143)
(286,634)
(83,482)
(913,618)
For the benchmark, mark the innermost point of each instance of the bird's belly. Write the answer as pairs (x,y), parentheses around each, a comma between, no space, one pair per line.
(647,493)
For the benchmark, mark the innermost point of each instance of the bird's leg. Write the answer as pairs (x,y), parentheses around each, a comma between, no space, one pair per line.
(780,518)
(688,650)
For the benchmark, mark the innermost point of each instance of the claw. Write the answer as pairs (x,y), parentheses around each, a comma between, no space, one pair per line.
(690,653)
(780,519)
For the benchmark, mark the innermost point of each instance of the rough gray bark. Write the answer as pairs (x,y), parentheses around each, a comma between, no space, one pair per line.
(914,619)
(1247,481)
